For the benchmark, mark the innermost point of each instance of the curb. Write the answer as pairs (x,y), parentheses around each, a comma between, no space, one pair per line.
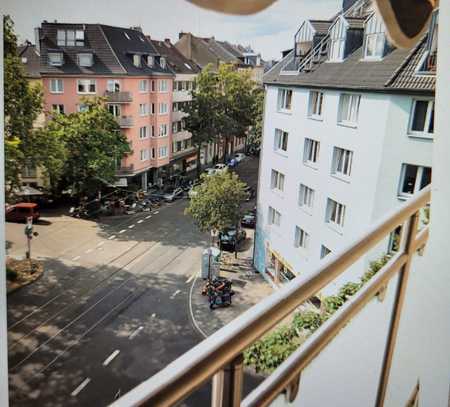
(194,322)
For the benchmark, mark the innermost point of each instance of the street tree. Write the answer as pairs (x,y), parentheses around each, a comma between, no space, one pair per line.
(216,203)
(93,146)
(254,136)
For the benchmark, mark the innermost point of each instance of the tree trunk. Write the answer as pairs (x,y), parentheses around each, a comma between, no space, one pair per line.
(199,164)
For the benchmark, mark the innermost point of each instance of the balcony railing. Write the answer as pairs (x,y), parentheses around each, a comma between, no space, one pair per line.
(119,97)
(125,170)
(125,122)
(219,357)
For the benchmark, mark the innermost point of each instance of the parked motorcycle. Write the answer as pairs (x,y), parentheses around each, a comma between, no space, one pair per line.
(219,292)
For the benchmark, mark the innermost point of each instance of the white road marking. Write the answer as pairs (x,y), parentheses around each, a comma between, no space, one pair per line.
(76,258)
(100,244)
(148,217)
(109,359)
(88,251)
(174,294)
(140,221)
(131,227)
(192,313)
(155,213)
(123,231)
(191,278)
(153,315)
(82,385)
(134,334)
(112,237)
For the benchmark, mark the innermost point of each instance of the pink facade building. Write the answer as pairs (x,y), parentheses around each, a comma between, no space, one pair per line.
(85,60)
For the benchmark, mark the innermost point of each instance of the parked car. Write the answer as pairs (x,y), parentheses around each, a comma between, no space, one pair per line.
(173,195)
(251,193)
(249,220)
(21,211)
(220,167)
(239,157)
(229,239)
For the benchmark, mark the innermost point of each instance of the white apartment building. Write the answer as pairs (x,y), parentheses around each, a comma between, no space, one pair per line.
(348,133)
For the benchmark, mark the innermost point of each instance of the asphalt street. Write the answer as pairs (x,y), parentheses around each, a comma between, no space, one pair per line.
(110,310)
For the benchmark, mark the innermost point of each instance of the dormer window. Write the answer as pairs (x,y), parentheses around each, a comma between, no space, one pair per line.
(70,38)
(338,32)
(374,38)
(137,60)
(428,65)
(85,60)
(55,58)
(162,62)
(303,39)
(150,61)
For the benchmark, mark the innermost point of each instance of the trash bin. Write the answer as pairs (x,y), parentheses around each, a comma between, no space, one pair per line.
(210,260)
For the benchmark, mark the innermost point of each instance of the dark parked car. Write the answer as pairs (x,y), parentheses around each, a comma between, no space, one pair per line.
(229,239)
(249,220)
(251,193)
(21,211)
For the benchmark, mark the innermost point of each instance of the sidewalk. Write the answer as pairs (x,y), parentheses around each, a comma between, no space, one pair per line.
(249,287)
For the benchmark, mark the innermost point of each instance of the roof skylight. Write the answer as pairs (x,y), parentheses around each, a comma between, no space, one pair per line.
(126,35)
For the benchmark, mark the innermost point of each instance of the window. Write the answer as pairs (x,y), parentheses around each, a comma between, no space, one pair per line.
(301,238)
(85,60)
(277,180)
(81,108)
(150,61)
(144,155)
(422,118)
(137,60)
(342,162)
(337,41)
(428,66)
(162,130)
(274,217)
(143,85)
(86,85)
(335,213)
(58,109)
(305,197)
(348,109)
(311,151)
(114,110)
(70,38)
(152,111)
(153,154)
(143,109)
(374,38)
(143,132)
(324,251)
(113,85)
(56,86)
(281,140)
(413,178)
(175,127)
(162,62)
(29,171)
(153,130)
(163,85)
(175,107)
(163,108)
(126,35)
(162,152)
(55,58)
(315,104)
(284,99)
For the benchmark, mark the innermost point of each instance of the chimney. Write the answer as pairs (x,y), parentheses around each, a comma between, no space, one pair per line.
(167,41)
(136,28)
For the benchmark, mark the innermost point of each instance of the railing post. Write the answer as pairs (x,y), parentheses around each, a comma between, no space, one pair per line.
(397,309)
(227,384)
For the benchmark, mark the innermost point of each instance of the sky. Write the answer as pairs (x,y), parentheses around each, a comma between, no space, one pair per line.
(268,32)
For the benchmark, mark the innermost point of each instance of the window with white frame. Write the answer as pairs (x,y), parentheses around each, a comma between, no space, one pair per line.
(162,152)
(348,108)
(374,38)
(115,110)
(413,178)
(143,132)
(162,62)
(306,197)
(335,213)
(150,61)
(55,58)
(301,238)
(137,60)
(324,251)
(86,86)
(274,217)
(144,155)
(284,99)
(143,85)
(56,86)
(143,109)
(162,130)
(277,180)
(81,108)
(311,151)
(58,109)
(163,108)
(85,60)
(113,85)
(422,118)
(70,38)
(163,87)
(281,140)
(337,41)
(342,162)
(315,104)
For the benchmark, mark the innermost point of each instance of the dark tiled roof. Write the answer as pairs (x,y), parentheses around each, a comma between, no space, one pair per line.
(321,26)
(31,60)
(105,62)
(223,54)
(176,60)
(231,48)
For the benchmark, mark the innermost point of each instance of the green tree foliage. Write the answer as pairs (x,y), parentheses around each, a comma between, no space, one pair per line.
(93,145)
(254,137)
(216,205)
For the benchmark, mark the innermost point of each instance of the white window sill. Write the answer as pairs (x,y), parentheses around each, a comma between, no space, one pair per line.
(56,93)
(311,164)
(306,209)
(316,118)
(335,227)
(143,138)
(143,91)
(403,197)
(343,178)
(277,192)
(347,124)
(420,135)
(281,152)
(285,111)
(86,93)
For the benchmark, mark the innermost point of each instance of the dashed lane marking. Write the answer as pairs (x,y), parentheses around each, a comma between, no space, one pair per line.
(100,244)
(156,212)
(76,258)
(88,251)
(131,227)
(123,231)
(112,237)
(110,358)
(140,221)
(191,278)
(153,315)
(174,294)
(136,332)
(148,217)
(82,385)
